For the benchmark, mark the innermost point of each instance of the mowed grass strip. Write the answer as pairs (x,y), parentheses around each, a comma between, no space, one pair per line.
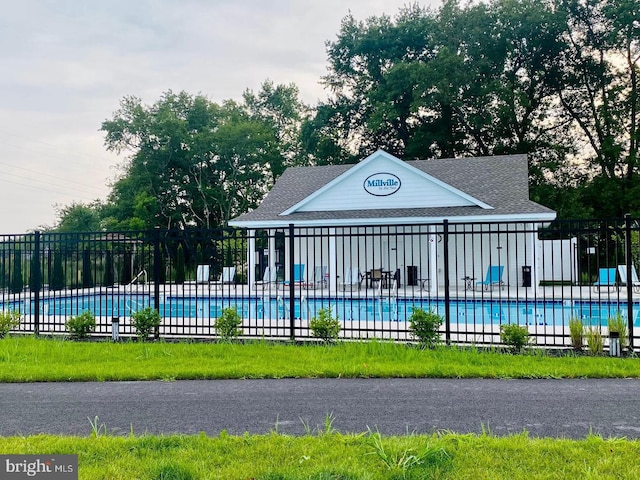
(338,456)
(30,359)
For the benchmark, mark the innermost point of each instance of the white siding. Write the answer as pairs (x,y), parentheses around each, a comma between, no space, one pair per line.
(416,191)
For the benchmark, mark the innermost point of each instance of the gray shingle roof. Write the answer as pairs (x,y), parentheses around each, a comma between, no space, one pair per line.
(500,181)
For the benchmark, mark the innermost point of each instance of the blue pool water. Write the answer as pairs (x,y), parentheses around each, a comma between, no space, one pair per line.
(554,313)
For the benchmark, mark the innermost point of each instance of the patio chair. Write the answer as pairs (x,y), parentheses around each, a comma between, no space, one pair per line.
(375,278)
(298,277)
(319,279)
(203,274)
(606,278)
(635,282)
(226,277)
(270,277)
(352,279)
(492,278)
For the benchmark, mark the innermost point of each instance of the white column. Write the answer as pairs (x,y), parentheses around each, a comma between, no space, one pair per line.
(272,249)
(535,247)
(433,261)
(251,258)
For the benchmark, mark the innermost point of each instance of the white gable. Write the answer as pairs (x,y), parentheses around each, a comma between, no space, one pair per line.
(382,181)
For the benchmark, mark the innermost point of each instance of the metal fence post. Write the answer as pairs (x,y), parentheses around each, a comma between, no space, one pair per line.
(447,295)
(37,282)
(629,262)
(156,269)
(292,304)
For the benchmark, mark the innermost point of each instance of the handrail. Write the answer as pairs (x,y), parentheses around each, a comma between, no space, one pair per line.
(141,273)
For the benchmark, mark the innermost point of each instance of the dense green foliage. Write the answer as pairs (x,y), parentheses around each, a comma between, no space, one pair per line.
(180,266)
(81,326)
(198,163)
(554,79)
(57,281)
(9,320)
(146,323)
(324,326)
(227,325)
(619,325)
(595,342)
(17,280)
(516,337)
(425,326)
(576,331)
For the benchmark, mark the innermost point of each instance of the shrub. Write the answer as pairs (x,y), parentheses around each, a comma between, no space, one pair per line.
(324,326)
(595,343)
(16,283)
(618,324)
(425,326)
(576,330)
(9,320)
(227,325)
(81,325)
(146,322)
(516,337)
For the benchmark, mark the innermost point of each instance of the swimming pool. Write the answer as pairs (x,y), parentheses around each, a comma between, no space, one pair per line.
(470,312)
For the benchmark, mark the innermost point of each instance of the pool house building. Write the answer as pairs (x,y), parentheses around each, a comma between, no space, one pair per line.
(397,224)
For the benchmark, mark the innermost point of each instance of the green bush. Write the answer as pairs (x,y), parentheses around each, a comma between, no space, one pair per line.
(81,325)
(576,330)
(9,320)
(146,322)
(618,324)
(516,337)
(425,326)
(595,343)
(227,325)
(324,326)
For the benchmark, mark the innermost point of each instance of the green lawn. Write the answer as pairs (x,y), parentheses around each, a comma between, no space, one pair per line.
(320,454)
(28,359)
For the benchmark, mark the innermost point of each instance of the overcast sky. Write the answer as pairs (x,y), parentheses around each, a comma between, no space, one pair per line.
(66,64)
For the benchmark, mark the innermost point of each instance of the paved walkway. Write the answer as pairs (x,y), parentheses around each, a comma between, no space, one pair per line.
(545,408)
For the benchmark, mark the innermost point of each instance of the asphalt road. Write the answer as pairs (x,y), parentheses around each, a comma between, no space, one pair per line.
(544,408)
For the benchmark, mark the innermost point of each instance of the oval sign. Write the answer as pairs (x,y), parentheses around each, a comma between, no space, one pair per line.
(382,184)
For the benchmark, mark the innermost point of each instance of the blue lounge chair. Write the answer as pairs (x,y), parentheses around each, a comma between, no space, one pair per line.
(298,276)
(635,281)
(606,278)
(492,278)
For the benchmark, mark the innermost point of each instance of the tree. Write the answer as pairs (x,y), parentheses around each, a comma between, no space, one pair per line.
(17,281)
(35,274)
(57,281)
(125,272)
(478,80)
(180,271)
(195,163)
(79,217)
(87,276)
(108,279)
(600,95)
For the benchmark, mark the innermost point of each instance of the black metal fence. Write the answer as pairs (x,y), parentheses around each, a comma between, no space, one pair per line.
(476,276)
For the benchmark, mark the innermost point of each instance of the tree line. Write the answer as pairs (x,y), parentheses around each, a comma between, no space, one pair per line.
(555,79)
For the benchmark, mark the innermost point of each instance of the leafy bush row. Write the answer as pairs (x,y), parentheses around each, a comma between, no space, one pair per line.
(423,325)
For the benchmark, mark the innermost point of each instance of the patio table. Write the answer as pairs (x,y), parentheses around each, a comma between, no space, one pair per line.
(468,282)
